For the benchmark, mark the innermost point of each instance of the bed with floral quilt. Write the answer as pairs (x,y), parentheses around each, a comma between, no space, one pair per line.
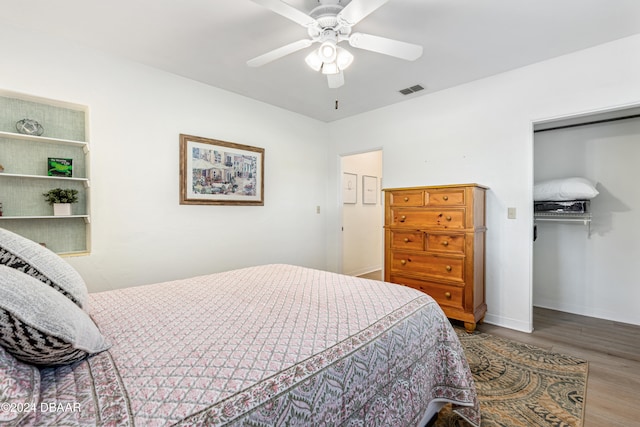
(260,346)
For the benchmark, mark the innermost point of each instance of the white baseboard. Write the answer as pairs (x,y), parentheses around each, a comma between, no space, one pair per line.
(506,322)
(364,270)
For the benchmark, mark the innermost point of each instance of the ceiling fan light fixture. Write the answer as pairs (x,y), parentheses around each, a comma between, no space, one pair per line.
(330,68)
(344,58)
(328,51)
(313,60)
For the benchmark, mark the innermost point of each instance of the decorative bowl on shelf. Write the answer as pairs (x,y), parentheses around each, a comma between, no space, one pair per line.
(29,127)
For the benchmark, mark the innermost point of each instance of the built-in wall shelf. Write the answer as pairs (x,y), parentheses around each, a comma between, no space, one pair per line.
(21,136)
(60,217)
(56,178)
(25,174)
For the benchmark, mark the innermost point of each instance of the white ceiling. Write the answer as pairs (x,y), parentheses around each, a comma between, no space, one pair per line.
(211,40)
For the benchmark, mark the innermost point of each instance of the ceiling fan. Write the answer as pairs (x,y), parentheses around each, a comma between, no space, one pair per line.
(329,24)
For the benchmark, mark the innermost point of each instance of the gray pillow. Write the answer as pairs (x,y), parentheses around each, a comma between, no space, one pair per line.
(37,261)
(39,325)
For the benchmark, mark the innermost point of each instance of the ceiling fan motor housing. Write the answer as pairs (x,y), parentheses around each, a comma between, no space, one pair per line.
(326,16)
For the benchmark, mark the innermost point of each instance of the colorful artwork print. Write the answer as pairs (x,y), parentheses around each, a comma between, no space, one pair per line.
(218,172)
(223,172)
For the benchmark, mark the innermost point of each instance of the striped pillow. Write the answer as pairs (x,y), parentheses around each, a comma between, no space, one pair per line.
(40,326)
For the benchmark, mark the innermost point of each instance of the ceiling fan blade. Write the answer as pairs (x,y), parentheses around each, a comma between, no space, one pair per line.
(386,46)
(335,80)
(357,10)
(278,53)
(287,11)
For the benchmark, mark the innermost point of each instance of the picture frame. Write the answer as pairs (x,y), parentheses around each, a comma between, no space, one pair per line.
(214,172)
(57,166)
(349,188)
(369,190)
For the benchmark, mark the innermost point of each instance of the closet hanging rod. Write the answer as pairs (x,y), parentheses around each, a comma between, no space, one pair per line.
(594,122)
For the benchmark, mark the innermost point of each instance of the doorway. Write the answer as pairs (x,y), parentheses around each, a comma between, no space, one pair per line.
(586,267)
(362,213)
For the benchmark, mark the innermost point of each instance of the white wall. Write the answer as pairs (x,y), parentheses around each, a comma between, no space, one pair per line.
(362,223)
(482,132)
(140,232)
(592,275)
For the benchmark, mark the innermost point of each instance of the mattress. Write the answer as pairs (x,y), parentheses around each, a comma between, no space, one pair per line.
(266,345)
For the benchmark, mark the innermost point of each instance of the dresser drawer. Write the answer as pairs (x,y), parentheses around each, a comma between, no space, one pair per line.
(406,198)
(445,295)
(434,266)
(447,243)
(412,240)
(437,218)
(446,197)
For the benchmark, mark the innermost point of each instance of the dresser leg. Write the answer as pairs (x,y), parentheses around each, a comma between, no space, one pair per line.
(469,327)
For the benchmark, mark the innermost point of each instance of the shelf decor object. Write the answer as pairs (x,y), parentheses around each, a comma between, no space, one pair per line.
(216,172)
(29,127)
(61,209)
(61,200)
(29,174)
(60,167)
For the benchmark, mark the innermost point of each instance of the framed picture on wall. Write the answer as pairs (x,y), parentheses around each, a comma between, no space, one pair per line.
(216,172)
(369,190)
(349,188)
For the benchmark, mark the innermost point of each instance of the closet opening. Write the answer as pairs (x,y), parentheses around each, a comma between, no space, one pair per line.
(586,208)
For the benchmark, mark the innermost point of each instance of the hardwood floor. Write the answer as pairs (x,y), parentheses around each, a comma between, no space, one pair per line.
(611,348)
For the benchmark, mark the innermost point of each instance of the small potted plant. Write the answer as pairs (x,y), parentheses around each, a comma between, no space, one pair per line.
(61,199)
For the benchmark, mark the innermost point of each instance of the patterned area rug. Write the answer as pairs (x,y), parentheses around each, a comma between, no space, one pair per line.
(521,385)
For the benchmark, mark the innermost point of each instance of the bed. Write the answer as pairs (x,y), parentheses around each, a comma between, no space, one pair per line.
(259,346)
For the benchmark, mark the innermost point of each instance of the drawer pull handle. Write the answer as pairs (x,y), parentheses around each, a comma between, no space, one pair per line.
(447,295)
(448,268)
(403,261)
(406,240)
(406,199)
(403,218)
(448,217)
(445,198)
(445,243)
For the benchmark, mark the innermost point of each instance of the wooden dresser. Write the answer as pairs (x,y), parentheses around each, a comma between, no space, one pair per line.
(434,242)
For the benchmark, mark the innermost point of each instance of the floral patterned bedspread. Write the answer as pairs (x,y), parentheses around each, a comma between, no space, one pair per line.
(266,345)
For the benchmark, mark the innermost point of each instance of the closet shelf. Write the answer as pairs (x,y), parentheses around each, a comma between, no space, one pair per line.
(584,218)
(563,217)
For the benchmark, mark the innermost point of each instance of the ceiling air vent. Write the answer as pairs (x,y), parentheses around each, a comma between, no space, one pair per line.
(410,90)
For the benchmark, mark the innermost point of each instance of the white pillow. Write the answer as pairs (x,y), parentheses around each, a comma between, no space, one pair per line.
(564,189)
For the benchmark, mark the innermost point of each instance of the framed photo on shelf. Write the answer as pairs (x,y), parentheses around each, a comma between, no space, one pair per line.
(369,190)
(349,188)
(214,172)
(57,166)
